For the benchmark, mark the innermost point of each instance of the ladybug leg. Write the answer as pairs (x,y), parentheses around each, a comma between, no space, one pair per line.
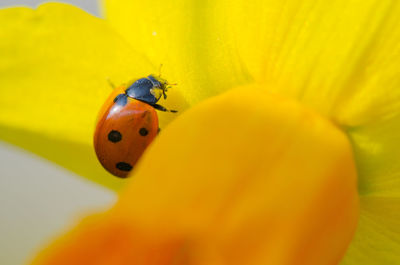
(159,107)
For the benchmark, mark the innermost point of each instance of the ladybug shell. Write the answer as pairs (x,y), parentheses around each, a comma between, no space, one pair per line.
(123,132)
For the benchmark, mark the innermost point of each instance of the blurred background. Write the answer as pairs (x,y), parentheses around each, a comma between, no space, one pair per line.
(38,199)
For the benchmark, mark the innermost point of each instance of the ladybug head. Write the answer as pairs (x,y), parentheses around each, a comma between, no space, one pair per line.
(160,86)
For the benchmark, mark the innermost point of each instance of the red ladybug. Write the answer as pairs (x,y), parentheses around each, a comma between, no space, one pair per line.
(128,123)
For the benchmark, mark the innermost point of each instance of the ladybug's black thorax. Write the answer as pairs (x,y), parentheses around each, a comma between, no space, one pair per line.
(144,90)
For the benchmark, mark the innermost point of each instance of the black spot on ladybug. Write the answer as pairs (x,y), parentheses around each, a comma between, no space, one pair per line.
(143,131)
(123,166)
(114,136)
(158,131)
(121,100)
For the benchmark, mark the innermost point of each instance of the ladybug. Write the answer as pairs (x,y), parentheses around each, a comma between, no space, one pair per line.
(128,123)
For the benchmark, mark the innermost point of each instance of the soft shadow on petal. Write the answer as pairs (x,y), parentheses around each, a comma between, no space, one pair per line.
(377,153)
(54,66)
(250,181)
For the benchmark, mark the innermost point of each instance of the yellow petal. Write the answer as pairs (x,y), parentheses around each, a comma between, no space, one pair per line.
(378,232)
(377,154)
(187,37)
(251,181)
(54,64)
(340,57)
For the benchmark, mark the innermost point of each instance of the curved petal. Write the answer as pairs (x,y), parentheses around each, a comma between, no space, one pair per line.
(252,181)
(54,66)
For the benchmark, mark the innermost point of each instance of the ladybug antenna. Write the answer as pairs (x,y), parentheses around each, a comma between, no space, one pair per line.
(163,92)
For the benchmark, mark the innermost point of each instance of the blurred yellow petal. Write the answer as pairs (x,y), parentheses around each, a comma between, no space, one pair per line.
(54,66)
(378,232)
(252,181)
(377,153)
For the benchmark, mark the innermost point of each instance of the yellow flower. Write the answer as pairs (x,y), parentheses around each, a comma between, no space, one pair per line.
(262,174)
